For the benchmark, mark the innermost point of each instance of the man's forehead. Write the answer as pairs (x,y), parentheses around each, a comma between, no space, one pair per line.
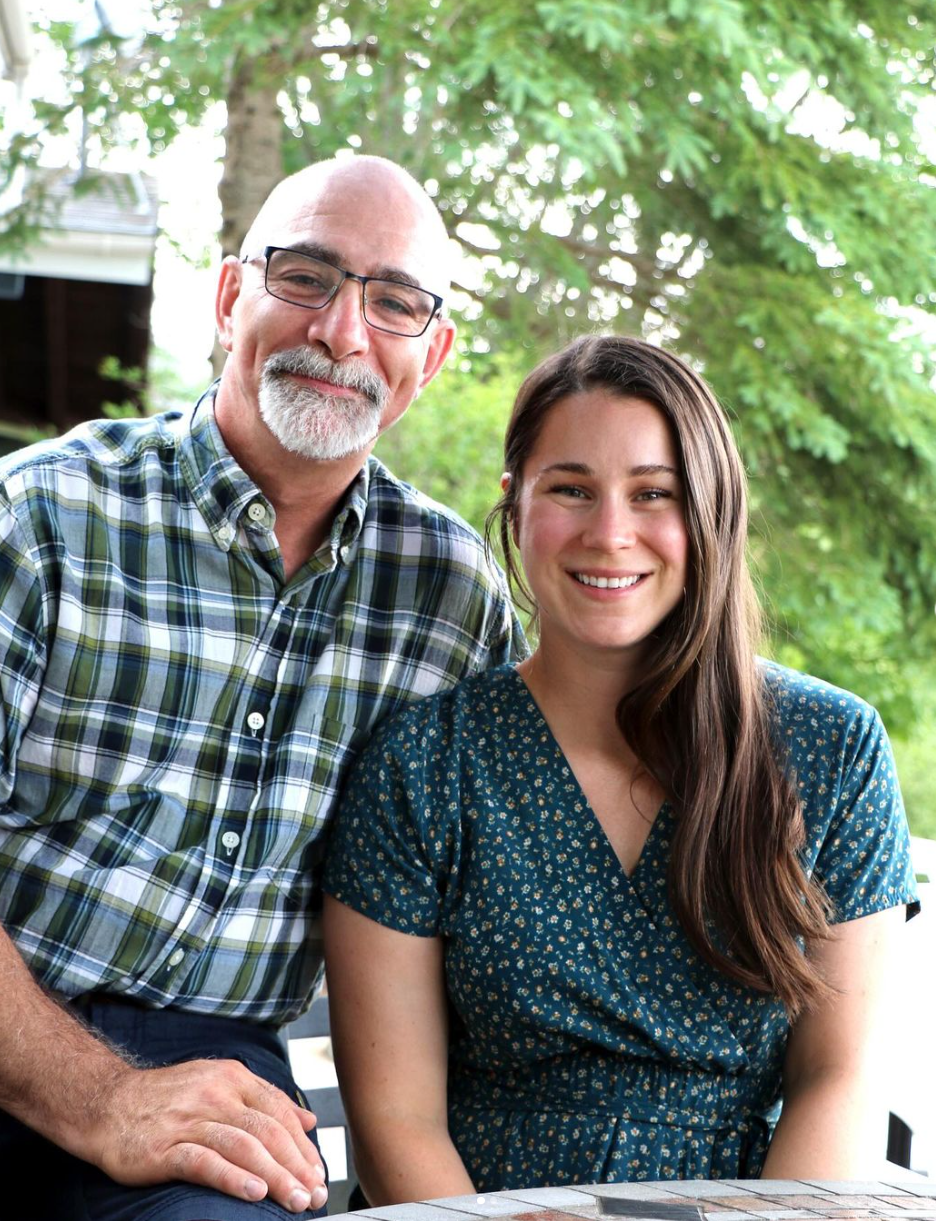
(368,215)
(371,249)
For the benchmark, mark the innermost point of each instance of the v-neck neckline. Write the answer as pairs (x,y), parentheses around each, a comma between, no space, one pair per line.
(662,813)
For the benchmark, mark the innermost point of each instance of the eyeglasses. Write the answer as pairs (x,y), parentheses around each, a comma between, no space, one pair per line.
(388,305)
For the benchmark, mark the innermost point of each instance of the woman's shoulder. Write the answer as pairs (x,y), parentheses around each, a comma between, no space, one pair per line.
(411,766)
(803,702)
(444,716)
(857,839)
(834,744)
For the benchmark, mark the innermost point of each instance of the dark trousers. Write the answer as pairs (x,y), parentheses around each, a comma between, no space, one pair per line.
(40,1182)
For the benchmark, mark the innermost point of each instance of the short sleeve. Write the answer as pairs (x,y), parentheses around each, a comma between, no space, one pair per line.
(390,852)
(864,860)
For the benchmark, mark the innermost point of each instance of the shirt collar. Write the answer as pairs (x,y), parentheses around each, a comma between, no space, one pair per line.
(223,491)
(349,520)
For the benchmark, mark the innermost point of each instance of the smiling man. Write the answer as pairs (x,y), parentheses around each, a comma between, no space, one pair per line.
(203,616)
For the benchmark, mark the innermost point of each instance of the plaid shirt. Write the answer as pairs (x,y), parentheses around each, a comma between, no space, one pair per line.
(177,721)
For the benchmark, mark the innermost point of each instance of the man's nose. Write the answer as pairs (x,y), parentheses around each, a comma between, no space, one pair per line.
(340,325)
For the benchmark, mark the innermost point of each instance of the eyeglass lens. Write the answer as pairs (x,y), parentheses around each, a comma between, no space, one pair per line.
(303,280)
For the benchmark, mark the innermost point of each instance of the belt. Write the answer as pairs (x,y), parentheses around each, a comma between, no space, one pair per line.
(82,1004)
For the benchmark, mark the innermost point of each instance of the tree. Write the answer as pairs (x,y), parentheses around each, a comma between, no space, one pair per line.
(745,181)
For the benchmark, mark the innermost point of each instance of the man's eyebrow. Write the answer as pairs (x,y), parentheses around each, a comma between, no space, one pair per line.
(384,272)
(397,274)
(582,468)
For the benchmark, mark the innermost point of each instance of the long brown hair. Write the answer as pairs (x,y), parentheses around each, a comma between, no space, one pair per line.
(700,718)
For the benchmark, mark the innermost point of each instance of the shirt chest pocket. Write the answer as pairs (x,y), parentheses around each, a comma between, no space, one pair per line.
(308,765)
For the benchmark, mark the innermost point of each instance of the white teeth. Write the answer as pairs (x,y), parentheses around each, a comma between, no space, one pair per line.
(606,582)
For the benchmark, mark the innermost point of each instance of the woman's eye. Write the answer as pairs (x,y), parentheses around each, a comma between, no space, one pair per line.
(655,494)
(567,489)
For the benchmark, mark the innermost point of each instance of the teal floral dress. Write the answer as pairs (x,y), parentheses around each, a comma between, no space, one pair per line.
(588,1041)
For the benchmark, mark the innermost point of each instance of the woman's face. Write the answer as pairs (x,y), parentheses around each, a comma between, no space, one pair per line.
(600,523)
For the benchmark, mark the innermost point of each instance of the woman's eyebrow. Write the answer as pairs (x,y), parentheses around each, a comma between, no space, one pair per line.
(654,468)
(582,468)
(571,468)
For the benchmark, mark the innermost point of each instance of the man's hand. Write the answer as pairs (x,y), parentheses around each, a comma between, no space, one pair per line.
(211,1122)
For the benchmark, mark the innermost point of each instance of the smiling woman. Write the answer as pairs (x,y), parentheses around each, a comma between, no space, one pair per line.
(602,536)
(594,917)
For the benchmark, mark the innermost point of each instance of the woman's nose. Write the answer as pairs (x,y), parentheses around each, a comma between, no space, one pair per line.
(610,526)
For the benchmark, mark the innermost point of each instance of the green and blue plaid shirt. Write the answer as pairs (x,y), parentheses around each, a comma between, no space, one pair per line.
(177,722)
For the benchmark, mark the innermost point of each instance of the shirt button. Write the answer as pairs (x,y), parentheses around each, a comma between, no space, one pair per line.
(345,553)
(230,839)
(255,721)
(176,957)
(226,532)
(256,511)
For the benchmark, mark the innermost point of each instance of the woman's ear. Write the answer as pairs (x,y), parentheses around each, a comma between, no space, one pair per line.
(511,513)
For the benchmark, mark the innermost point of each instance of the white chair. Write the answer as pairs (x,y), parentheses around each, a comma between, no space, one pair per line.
(308,1041)
(911,1087)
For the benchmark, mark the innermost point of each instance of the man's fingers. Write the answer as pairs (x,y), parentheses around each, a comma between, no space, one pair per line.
(216,1124)
(235,1162)
(260,1145)
(282,1142)
(269,1100)
(204,1167)
(266,1112)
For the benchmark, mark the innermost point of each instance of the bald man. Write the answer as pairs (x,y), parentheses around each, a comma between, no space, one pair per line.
(203,616)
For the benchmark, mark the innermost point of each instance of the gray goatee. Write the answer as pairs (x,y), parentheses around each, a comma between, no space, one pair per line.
(316,425)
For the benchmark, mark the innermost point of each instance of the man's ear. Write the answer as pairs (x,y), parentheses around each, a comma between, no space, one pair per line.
(438,350)
(229,286)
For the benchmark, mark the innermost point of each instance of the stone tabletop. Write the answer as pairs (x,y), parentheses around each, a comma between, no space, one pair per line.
(720,1200)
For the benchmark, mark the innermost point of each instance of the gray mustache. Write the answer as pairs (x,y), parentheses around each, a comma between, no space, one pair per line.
(352,374)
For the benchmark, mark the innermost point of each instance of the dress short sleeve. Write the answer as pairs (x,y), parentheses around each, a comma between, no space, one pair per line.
(391,852)
(858,840)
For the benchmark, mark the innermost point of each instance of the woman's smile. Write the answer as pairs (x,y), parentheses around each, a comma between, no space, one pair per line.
(600,522)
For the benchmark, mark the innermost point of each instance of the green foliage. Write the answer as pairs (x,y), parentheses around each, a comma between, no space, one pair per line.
(131,379)
(450,444)
(14,437)
(915,766)
(650,167)
(159,388)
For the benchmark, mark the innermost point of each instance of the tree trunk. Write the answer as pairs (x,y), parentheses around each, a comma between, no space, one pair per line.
(253,158)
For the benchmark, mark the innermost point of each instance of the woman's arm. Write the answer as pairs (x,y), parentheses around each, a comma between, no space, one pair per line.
(389,1025)
(831,1117)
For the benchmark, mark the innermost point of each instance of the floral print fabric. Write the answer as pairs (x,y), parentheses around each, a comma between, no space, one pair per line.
(588,1040)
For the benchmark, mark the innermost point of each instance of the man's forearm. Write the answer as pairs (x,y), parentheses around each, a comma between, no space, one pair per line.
(211,1122)
(53,1070)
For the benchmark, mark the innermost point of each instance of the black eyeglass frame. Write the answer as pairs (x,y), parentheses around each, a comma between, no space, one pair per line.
(267,251)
